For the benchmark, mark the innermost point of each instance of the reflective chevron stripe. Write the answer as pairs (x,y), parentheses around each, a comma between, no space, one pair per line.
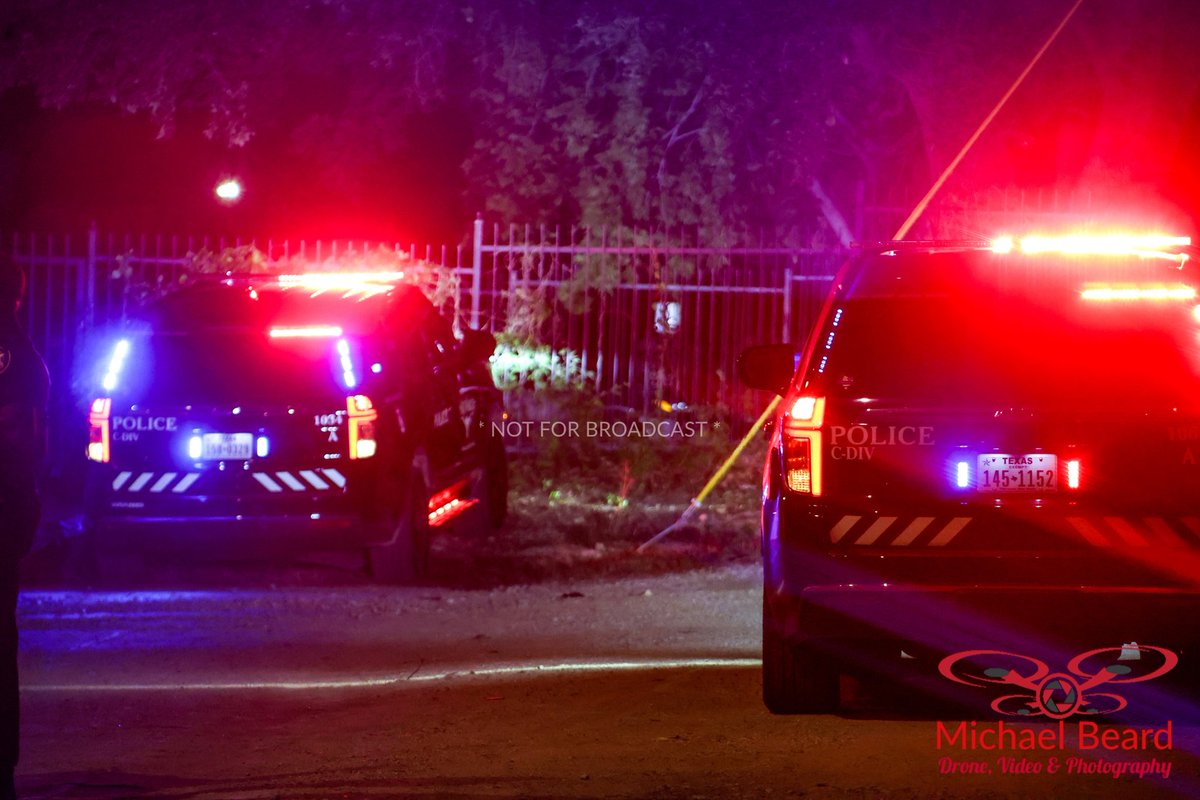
(1109,531)
(163,482)
(875,531)
(1088,531)
(314,479)
(268,482)
(1136,532)
(186,483)
(290,481)
(908,533)
(140,482)
(321,480)
(947,534)
(913,530)
(1165,534)
(842,528)
(153,482)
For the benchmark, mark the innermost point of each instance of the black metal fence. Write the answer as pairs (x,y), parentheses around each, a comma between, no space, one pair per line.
(646,321)
(641,320)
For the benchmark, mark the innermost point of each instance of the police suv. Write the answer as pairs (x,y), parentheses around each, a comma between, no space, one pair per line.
(983,447)
(276,415)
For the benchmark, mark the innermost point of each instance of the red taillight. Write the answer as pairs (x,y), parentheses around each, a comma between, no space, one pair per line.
(802,445)
(1072,471)
(362,415)
(98,448)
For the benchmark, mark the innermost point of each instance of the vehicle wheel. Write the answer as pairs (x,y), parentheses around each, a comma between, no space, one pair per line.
(406,557)
(494,495)
(797,679)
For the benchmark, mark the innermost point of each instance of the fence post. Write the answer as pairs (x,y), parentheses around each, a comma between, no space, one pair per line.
(787,304)
(476,271)
(89,277)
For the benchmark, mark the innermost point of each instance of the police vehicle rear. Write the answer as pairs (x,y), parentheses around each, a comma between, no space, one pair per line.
(268,416)
(983,447)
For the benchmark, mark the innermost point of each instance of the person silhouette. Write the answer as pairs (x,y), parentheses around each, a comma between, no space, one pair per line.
(24,387)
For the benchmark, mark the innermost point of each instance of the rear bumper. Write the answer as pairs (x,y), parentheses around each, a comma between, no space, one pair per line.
(951,618)
(957,579)
(236,514)
(235,536)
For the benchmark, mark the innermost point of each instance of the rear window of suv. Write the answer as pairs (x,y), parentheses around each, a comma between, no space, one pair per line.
(232,366)
(955,329)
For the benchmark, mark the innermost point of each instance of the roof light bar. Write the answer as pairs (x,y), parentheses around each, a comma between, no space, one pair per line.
(367,283)
(1134,293)
(115,365)
(1117,244)
(347,363)
(306,332)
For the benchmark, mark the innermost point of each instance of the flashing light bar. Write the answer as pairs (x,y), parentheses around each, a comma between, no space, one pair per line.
(1117,244)
(365,283)
(348,376)
(115,365)
(1110,293)
(306,332)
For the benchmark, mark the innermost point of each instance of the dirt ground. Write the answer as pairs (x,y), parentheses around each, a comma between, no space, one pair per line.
(643,686)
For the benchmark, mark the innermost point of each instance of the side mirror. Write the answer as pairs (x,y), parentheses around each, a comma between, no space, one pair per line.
(769,367)
(478,345)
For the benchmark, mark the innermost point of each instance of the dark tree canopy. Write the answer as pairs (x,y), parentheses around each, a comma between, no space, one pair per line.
(724,116)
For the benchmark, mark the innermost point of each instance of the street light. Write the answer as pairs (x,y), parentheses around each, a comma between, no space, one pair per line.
(229,190)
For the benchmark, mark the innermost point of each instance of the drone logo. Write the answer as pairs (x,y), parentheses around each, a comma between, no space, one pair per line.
(1061,694)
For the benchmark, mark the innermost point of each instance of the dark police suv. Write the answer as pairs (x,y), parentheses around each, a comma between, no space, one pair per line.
(276,415)
(984,448)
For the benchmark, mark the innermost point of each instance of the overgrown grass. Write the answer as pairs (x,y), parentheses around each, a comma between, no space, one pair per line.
(590,500)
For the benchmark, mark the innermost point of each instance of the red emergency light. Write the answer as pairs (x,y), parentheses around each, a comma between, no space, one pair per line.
(364,283)
(306,332)
(1152,245)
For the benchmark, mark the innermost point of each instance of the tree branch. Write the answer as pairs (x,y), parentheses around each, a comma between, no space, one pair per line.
(831,213)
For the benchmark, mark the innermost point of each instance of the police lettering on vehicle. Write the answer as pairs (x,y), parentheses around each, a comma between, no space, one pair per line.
(142,424)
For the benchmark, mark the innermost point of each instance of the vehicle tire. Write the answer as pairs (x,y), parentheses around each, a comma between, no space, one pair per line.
(405,558)
(494,493)
(797,679)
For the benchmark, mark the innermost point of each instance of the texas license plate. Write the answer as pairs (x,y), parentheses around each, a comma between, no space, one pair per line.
(226,446)
(1033,472)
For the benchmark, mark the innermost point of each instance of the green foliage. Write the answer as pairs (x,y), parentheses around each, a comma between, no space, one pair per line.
(520,364)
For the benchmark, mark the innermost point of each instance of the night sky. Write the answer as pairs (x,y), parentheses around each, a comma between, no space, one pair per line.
(401,120)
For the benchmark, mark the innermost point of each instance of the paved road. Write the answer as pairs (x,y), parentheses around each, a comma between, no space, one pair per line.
(639,687)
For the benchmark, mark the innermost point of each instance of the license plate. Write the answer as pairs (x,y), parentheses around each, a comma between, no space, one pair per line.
(1034,472)
(226,446)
